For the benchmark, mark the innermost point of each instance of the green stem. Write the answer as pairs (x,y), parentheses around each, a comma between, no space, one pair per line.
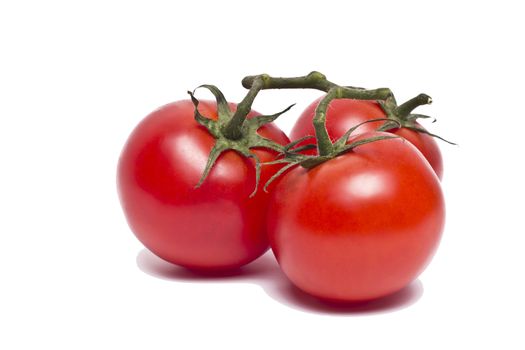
(324,144)
(314,80)
(318,81)
(233,129)
(406,108)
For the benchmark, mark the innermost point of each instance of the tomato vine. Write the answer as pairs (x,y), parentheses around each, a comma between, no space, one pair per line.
(234,131)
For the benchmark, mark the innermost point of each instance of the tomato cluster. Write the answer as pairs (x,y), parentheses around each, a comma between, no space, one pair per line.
(353,217)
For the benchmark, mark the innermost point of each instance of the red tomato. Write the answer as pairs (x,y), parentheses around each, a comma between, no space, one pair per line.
(360,226)
(342,114)
(216,226)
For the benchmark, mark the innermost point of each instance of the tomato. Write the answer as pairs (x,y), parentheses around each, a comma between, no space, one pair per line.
(342,114)
(216,226)
(359,226)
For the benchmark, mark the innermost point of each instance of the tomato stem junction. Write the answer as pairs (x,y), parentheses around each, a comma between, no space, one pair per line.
(233,131)
(318,81)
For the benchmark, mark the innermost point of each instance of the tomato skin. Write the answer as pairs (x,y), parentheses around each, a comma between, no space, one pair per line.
(360,226)
(342,114)
(216,226)
(427,145)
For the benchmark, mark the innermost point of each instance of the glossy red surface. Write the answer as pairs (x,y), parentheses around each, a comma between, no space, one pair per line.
(343,114)
(360,226)
(216,226)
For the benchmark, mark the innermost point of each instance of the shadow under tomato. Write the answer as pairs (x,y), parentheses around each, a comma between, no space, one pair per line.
(265,272)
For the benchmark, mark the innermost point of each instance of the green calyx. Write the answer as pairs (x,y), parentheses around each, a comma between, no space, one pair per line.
(291,155)
(233,131)
(402,116)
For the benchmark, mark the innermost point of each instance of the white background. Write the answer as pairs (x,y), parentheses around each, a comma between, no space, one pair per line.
(75,78)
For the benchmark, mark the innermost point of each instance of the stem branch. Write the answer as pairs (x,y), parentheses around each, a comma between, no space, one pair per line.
(324,144)
(406,108)
(233,129)
(314,80)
